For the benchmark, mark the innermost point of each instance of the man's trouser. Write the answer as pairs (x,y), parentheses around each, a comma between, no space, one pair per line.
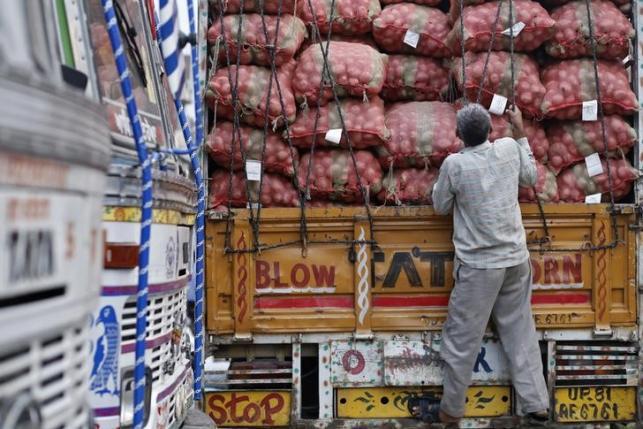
(505,295)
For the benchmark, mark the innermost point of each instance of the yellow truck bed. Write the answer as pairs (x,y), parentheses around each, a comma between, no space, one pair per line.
(399,279)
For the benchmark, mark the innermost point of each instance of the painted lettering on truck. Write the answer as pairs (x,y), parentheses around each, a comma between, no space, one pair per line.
(413,269)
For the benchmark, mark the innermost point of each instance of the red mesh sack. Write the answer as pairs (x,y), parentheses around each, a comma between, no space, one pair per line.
(253,94)
(571,142)
(408,186)
(278,157)
(612,31)
(357,70)
(364,39)
(479,20)
(569,83)
(269,6)
(546,187)
(527,86)
(292,32)
(420,2)
(422,132)
(623,5)
(333,175)
(364,124)
(574,183)
(414,78)
(349,16)
(430,24)
(276,191)
(535,133)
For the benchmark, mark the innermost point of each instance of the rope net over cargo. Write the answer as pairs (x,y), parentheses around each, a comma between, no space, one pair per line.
(261,80)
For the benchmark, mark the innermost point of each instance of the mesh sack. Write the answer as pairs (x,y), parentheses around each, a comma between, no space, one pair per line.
(357,70)
(414,78)
(479,20)
(612,31)
(349,16)
(546,187)
(432,26)
(333,175)
(623,5)
(527,86)
(422,133)
(534,131)
(269,6)
(252,41)
(278,157)
(276,191)
(574,184)
(571,142)
(364,123)
(253,94)
(408,186)
(569,83)
(420,2)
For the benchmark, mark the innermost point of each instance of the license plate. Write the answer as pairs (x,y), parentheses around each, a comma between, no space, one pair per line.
(249,408)
(594,404)
(391,402)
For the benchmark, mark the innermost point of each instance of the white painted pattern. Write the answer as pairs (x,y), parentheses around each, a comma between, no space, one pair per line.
(362,271)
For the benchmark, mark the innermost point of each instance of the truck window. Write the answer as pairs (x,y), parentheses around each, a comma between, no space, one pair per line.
(139,61)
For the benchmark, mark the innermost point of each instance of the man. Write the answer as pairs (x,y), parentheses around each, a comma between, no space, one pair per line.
(492,270)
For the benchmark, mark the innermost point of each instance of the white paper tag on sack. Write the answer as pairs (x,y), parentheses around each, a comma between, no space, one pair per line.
(594,166)
(253,170)
(590,110)
(593,199)
(334,135)
(498,105)
(411,38)
(517,28)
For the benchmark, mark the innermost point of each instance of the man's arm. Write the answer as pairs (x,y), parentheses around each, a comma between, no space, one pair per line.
(527,174)
(443,193)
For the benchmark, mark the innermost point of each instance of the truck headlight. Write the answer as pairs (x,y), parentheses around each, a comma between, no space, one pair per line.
(127,397)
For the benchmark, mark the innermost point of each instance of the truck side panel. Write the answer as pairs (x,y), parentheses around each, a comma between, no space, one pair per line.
(403,283)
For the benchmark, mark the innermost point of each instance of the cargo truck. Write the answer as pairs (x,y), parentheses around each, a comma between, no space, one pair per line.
(52,179)
(168,365)
(335,320)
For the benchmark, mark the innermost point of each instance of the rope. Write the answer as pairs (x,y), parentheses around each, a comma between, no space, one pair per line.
(462,52)
(325,71)
(601,117)
(326,67)
(486,61)
(146,213)
(303,229)
(200,232)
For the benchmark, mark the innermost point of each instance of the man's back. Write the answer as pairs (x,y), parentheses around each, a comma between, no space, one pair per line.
(481,184)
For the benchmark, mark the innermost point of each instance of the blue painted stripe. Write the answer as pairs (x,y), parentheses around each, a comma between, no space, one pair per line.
(146,213)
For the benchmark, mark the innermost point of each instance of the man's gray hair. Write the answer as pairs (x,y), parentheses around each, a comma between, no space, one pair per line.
(474,124)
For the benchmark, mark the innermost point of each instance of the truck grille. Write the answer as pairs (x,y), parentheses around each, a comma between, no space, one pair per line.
(596,363)
(162,313)
(54,372)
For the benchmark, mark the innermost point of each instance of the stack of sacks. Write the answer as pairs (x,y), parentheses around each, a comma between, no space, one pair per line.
(264,102)
(422,126)
(570,82)
(396,66)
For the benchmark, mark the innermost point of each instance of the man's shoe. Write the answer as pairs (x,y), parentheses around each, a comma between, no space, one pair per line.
(538,419)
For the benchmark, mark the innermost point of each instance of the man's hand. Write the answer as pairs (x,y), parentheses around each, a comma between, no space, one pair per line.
(515,118)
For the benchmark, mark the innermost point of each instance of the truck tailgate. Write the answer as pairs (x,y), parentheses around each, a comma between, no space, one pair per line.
(403,281)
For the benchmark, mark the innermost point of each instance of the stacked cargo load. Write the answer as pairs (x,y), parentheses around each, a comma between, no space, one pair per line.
(357,133)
